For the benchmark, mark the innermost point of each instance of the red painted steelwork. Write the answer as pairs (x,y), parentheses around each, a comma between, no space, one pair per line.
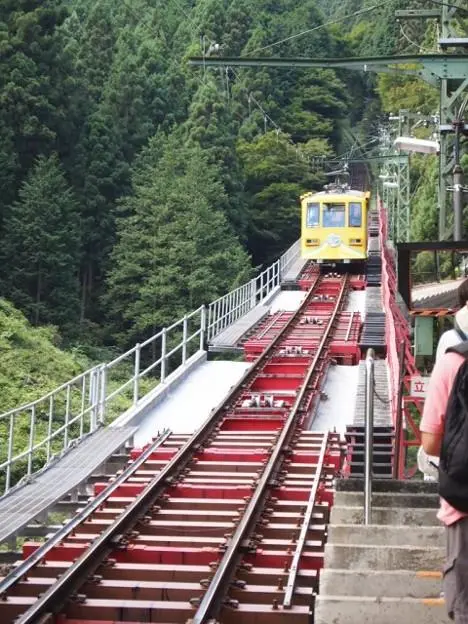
(159,571)
(398,340)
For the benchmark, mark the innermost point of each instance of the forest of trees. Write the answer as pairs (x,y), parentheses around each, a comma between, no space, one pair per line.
(135,187)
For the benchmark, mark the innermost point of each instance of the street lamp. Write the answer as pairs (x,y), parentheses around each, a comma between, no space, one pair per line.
(420,146)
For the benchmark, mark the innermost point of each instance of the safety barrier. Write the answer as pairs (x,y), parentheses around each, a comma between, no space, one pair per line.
(81,405)
(228,309)
(55,421)
(369,438)
(62,417)
(401,362)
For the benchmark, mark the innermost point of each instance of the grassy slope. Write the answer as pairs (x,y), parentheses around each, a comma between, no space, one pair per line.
(31,363)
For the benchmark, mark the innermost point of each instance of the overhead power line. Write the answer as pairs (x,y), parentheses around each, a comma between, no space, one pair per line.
(450,5)
(315,28)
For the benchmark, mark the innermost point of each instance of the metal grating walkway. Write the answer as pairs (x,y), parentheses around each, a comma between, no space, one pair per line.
(19,507)
(232,335)
(382,410)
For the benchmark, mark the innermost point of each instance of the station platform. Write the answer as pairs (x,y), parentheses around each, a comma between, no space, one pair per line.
(23,504)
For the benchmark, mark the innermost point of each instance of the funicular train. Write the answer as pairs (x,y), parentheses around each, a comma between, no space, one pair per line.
(334,226)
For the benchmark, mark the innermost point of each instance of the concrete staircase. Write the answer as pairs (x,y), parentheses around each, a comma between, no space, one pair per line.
(387,572)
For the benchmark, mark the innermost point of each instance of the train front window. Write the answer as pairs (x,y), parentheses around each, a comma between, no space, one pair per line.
(334,215)
(313,215)
(355,214)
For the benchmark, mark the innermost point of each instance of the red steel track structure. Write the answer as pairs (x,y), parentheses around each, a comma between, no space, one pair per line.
(226,525)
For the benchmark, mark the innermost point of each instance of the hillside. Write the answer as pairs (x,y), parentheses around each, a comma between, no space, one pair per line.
(137,187)
(31,363)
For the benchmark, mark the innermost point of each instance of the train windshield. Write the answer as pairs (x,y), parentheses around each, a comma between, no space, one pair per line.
(333,215)
(313,215)
(355,214)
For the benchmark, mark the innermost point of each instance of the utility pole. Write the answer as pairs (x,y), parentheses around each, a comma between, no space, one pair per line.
(458,188)
(446,72)
(451,94)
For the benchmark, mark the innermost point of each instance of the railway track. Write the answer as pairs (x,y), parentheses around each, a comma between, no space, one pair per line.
(226,525)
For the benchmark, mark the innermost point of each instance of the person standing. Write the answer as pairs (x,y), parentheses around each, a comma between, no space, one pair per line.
(443,435)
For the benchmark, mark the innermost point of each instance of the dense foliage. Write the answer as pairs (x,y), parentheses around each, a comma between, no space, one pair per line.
(136,188)
(31,363)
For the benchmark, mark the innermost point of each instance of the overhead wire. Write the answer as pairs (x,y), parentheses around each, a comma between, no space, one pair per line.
(251,97)
(315,28)
(420,48)
(450,5)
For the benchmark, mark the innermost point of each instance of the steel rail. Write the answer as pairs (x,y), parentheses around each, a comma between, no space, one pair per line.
(56,596)
(294,568)
(221,579)
(25,566)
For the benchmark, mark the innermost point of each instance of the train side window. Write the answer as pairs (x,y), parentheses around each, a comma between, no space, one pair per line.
(313,215)
(355,214)
(333,215)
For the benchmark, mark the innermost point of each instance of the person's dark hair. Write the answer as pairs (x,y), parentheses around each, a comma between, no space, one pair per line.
(463,293)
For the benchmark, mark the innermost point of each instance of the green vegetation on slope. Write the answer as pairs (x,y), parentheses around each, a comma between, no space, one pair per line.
(31,364)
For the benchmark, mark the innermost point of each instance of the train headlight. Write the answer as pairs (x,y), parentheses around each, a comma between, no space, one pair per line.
(313,242)
(355,241)
(334,240)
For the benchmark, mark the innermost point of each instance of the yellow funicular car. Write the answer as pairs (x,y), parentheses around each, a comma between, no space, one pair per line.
(334,226)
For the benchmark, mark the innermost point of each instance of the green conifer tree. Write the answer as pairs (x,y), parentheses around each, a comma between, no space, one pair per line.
(41,247)
(175,249)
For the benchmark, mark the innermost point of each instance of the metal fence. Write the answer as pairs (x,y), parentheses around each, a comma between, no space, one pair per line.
(57,420)
(51,424)
(78,407)
(228,309)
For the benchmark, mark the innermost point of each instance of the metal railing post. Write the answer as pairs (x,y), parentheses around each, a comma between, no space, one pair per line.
(67,418)
(94,398)
(369,437)
(102,394)
(49,427)
(253,293)
(163,354)
(31,438)
(184,340)
(203,327)
(10,453)
(136,379)
(208,328)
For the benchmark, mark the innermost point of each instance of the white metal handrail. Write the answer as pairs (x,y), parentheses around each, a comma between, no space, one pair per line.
(79,406)
(226,310)
(55,420)
(89,400)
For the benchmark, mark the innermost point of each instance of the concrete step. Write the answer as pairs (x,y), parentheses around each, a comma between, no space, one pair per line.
(348,514)
(390,583)
(370,610)
(388,499)
(373,557)
(399,535)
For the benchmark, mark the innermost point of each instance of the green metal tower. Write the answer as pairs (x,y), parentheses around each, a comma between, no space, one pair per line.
(447,72)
